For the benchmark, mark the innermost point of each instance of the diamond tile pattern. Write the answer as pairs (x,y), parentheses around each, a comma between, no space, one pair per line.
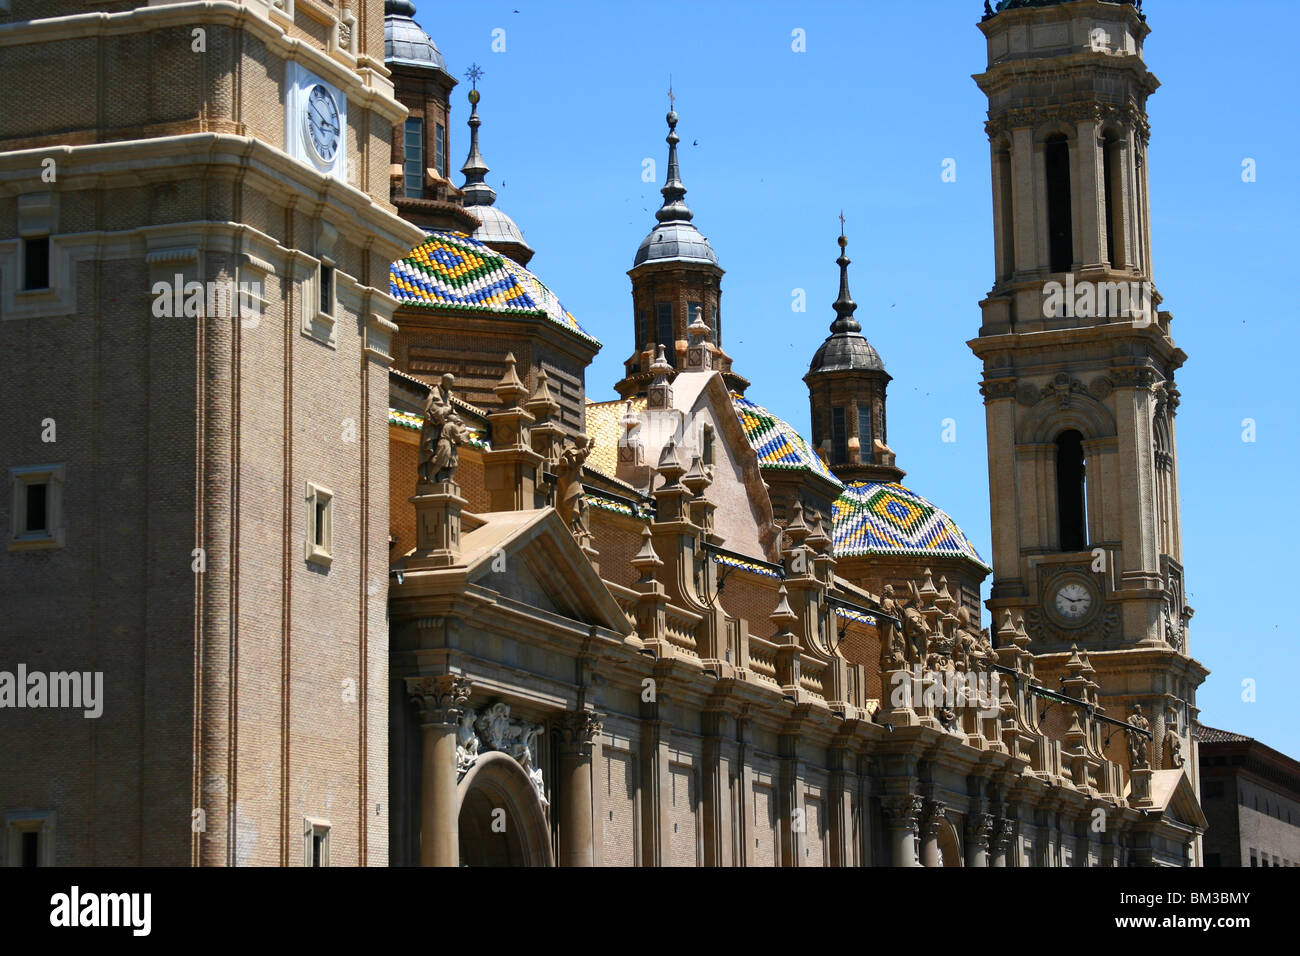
(452,270)
(879,517)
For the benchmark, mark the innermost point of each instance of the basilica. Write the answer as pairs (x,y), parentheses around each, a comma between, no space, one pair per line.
(412,590)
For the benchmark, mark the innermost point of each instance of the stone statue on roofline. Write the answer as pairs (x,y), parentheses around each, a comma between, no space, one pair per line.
(570,500)
(893,646)
(440,435)
(1137,743)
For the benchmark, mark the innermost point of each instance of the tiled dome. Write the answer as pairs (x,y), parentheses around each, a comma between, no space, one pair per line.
(452,270)
(883,517)
(776,442)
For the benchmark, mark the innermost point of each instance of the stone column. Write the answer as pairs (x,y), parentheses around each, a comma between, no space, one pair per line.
(441,700)
(932,819)
(578,730)
(902,816)
(979,830)
(1088,181)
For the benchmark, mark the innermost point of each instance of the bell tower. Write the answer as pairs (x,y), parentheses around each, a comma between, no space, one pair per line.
(676,279)
(1079,365)
(846,394)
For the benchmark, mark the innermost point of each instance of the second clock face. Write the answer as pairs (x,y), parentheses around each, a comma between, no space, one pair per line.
(1072,601)
(321,121)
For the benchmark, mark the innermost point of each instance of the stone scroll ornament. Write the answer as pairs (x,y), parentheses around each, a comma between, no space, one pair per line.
(440,435)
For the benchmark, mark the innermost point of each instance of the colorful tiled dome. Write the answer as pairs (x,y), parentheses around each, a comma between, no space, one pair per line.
(776,442)
(451,270)
(883,517)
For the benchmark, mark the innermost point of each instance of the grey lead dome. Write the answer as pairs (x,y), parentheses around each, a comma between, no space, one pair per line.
(404,41)
(675,239)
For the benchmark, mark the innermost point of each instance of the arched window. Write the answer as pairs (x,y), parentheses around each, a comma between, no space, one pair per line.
(1060,231)
(1071,491)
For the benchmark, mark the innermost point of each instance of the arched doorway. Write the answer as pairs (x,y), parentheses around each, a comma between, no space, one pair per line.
(501,821)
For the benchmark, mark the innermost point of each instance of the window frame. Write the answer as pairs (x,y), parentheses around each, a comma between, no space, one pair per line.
(839,435)
(319,541)
(21,477)
(866,450)
(417,191)
(25,265)
(313,827)
(20,822)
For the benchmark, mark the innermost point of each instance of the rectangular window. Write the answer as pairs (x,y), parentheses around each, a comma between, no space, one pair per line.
(664,330)
(326,289)
(413,158)
(36,513)
(36,503)
(30,838)
(36,262)
(440,149)
(708,445)
(316,842)
(866,452)
(717,327)
(839,437)
(320,524)
(31,849)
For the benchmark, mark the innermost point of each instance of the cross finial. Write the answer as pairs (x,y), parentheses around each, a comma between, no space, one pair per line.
(671,98)
(841,222)
(472,74)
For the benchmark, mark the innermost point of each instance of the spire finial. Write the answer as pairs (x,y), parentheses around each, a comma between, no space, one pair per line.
(477,191)
(844,305)
(674,208)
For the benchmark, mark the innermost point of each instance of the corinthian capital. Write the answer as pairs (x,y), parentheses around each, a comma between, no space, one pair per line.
(1006,831)
(903,811)
(441,698)
(933,813)
(578,729)
(979,828)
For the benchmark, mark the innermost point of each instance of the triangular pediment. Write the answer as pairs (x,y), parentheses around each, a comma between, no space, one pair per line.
(530,557)
(1175,797)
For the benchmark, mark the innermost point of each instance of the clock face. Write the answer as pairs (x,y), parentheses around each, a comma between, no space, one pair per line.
(1072,601)
(321,123)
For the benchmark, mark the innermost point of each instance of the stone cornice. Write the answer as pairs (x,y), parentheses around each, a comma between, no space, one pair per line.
(209,156)
(251,17)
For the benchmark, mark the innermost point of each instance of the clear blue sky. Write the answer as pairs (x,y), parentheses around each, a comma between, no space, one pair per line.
(776,142)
